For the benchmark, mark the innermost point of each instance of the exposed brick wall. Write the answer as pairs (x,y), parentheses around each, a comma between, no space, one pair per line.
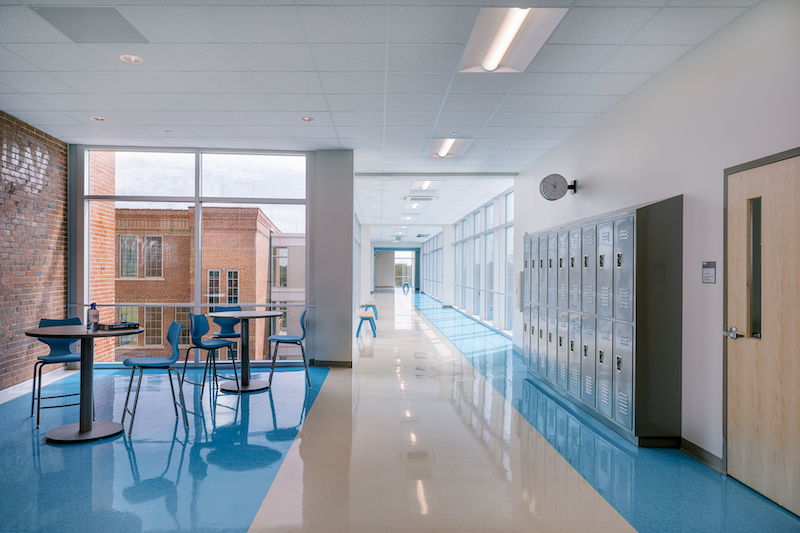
(33,242)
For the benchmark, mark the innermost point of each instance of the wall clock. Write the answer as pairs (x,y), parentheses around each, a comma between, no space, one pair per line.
(555,186)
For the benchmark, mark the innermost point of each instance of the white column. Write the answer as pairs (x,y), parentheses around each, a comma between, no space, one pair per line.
(448,266)
(367,265)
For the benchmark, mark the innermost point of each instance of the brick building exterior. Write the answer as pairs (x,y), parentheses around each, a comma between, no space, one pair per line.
(33,242)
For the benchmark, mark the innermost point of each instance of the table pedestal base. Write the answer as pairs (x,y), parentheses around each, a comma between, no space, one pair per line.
(72,433)
(253,386)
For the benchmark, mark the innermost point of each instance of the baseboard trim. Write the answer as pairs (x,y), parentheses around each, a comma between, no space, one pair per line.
(702,455)
(334,364)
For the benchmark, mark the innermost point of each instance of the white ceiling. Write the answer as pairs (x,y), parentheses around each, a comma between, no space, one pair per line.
(377,77)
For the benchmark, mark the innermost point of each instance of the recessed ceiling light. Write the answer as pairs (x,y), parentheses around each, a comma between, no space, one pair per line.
(99,119)
(446,145)
(131,59)
(307,119)
(508,30)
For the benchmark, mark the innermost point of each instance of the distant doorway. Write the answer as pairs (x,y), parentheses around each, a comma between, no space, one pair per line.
(404,269)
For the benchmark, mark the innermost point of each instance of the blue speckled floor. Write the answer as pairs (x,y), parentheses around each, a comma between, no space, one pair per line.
(212,478)
(655,490)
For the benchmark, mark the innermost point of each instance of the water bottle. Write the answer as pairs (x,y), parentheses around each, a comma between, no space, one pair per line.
(93,317)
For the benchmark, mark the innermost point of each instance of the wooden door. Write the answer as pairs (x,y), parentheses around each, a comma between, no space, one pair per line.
(763,415)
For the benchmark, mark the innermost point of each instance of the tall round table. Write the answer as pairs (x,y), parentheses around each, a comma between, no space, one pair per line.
(86,429)
(246,385)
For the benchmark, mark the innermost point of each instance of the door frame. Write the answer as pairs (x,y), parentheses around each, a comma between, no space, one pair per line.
(728,171)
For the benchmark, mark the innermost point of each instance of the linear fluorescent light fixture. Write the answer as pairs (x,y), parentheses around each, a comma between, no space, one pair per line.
(507,39)
(447,147)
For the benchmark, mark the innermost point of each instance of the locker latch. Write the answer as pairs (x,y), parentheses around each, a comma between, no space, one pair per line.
(571,346)
(560,262)
(600,356)
(585,351)
(601,260)
(549,337)
(560,339)
(585,261)
(541,334)
(572,262)
(550,262)
(619,259)
(619,364)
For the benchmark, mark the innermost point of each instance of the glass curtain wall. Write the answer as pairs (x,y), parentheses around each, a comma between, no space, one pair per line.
(174,232)
(432,266)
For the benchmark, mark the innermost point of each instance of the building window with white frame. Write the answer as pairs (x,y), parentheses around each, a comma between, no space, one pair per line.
(280,266)
(213,286)
(153,256)
(233,286)
(152,326)
(128,256)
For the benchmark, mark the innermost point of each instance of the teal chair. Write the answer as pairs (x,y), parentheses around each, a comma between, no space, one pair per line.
(61,351)
(290,339)
(157,363)
(198,326)
(227,325)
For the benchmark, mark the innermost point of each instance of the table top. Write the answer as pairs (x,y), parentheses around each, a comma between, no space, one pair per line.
(245,314)
(79,332)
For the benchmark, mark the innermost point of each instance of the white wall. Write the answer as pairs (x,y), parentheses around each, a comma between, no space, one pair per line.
(733,100)
(330,256)
(367,265)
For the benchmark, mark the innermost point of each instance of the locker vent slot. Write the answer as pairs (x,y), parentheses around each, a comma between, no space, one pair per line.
(562,291)
(576,379)
(589,239)
(624,340)
(604,393)
(625,298)
(589,386)
(605,237)
(623,403)
(552,367)
(625,234)
(588,292)
(605,297)
(563,371)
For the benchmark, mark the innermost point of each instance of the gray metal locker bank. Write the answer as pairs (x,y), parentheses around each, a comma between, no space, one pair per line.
(603,325)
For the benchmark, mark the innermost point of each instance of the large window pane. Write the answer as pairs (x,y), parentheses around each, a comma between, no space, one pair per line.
(128,256)
(509,278)
(141,173)
(254,176)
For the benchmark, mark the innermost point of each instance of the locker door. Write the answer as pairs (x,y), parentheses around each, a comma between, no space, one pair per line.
(534,270)
(563,269)
(552,344)
(623,374)
(605,269)
(526,338)
(563,348)
(534,338)
(552,269)
(604,367)
(543,341)
(575,354)
(575,267)
(543,270)
(589,269)
(589,358)
(526,271)
(623,269)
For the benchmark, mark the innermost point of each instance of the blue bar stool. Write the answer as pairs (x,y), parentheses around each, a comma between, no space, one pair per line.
(366,316)
(372,305)
(159,363)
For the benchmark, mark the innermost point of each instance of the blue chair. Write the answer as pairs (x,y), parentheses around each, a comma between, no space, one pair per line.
(61,351)
(198,326)
(290,339)
(159,363)
(226,325)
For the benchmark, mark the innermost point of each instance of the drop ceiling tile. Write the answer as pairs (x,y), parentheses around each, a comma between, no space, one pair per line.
(264,131)
(344,24)
(537,144)
(621,3)
(278,57)
(588,104)
(137,101)
(324,143)
(148,142)
(46,118)
(410,119)
(174,24)
(157,57)
(411,143)
(168,101)
(305,103)
(490,144)
(548,83)
(10,61)
(483,82)
(222,82)
(530,103)
(475,103)
(507,132)
(112,130)
(287,82)
(600,26)
(19,24)
(643,59)
(248,103)
(356,103)
(278,143)
(292,118)
(358,119)
(197,57)
(566,120)
(254,118)
(175,132)
(349,132)
(424,57)
(552,133)
(353,82)
(520,120)
(71,102)
(35,82)
(10,102)
(230,143)
(445,132)
(570,58)
(349,57)
(532,155)
(216,131)
(484,153)
(463,120)
(302,132)
(423,103)
(186,142)
(430,24)
(405,132)
(73,133)
(57,57)
(417,82)
(675,25)
(611,84)
(96,82)
(160,82)
(713,3)
(201,118)
(258,24)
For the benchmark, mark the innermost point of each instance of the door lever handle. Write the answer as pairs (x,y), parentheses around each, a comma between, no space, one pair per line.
(733,333)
